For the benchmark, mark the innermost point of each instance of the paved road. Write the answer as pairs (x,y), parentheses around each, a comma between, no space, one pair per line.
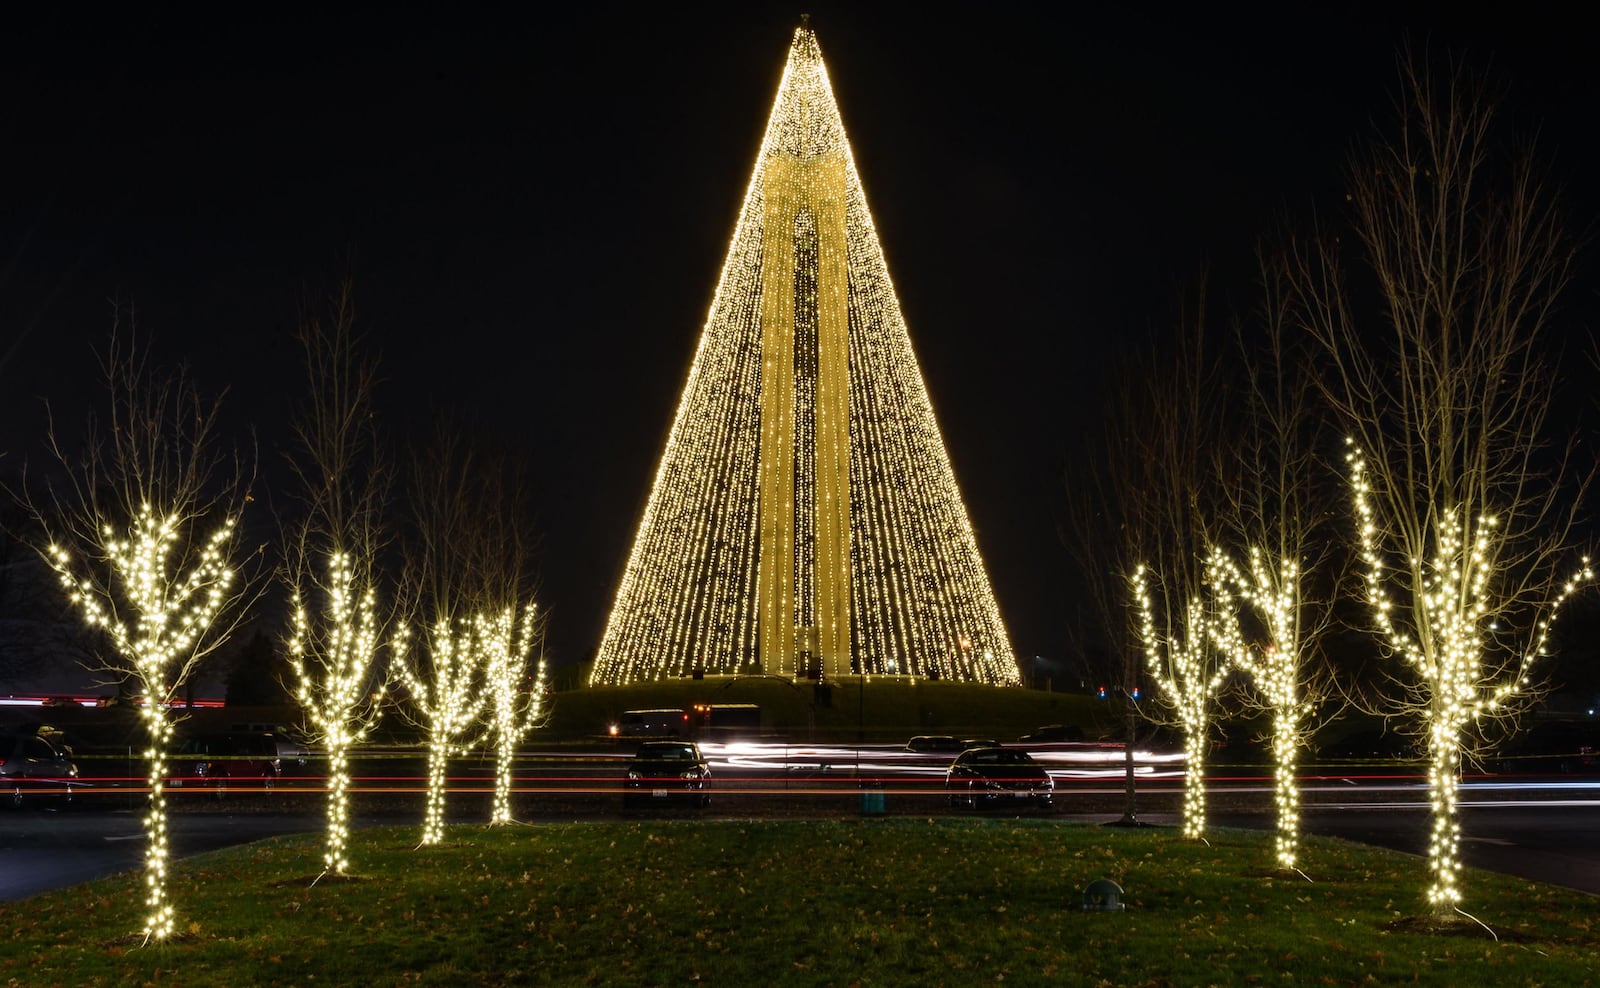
(1554,840)
(1545,831)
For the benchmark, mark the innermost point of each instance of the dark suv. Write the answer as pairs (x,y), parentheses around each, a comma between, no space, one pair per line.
(663,772)
(226,761)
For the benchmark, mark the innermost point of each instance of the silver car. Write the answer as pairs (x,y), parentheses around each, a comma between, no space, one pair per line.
(32,770)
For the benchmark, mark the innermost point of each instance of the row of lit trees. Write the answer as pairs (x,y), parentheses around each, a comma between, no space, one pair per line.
(143,528)
(1419,335)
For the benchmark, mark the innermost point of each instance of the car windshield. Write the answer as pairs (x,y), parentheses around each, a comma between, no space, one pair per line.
(998,756)
(667,753)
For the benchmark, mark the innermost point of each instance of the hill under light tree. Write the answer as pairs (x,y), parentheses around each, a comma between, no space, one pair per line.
(1464,512)
(338,626)
(143,534)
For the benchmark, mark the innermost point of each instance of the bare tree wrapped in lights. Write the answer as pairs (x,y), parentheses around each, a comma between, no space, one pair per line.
(1464,513)
(517,700)
(442,678)
(464,572)
(1183,627)
(1185,652)
(339,626)
(143,532)
(1276,515)
(444,694)
(509,626)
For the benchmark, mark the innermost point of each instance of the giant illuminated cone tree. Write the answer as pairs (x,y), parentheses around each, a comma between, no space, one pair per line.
(805,517)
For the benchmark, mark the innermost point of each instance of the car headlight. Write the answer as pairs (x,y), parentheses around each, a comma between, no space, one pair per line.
(693,773)
(634,775)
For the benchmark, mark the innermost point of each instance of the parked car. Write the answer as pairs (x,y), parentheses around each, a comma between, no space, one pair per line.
(33,770)
(1553,748)
(998,776)
(933,742)
(1054,733)
(222,762)
(1369,750)
(665,772)
(291,750)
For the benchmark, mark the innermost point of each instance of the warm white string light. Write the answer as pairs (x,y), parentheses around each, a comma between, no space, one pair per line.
(445,691)
(1448,603)
(882,562)
(169,612)
(332,652)
(1186,665)
(514,706)
(1275,666)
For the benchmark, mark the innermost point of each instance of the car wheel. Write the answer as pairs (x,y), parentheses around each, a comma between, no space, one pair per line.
(219,787)
(268,780)
(16,798)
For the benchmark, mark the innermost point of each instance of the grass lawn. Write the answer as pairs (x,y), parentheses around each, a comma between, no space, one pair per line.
(896,901)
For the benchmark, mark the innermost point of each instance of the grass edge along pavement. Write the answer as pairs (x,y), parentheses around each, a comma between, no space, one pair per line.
(855,901)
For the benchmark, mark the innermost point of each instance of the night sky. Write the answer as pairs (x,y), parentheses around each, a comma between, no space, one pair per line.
(534,211)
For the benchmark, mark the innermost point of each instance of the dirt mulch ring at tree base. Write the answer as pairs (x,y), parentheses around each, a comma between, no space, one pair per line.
(1458,926)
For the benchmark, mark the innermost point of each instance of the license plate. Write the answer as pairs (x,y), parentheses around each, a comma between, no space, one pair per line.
(176,783)
(659,793)
(1020,795)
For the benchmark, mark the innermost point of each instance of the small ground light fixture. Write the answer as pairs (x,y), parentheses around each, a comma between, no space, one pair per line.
(1103,895)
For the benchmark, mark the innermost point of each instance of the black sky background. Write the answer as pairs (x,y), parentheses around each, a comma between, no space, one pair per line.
(534,209)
